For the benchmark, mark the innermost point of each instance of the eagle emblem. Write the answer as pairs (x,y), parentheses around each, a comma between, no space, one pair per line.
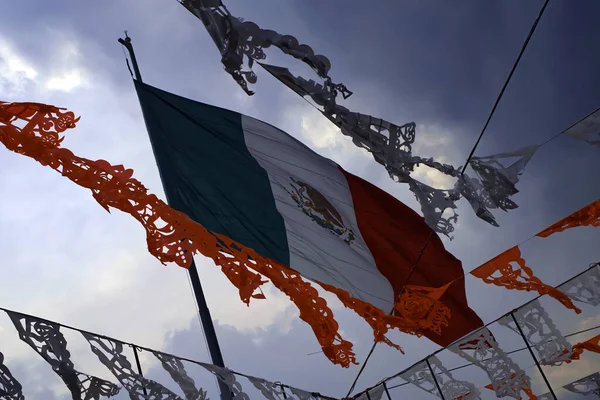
(319,209)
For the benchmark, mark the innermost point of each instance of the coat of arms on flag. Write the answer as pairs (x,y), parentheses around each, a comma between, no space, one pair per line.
(314,204)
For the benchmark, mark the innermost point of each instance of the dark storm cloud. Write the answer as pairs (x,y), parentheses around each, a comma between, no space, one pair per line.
(448,61)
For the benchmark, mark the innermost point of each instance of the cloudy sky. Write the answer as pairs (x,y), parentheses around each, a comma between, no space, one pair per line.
(64,258)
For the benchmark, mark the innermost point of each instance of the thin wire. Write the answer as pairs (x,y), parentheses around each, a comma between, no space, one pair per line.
(512,71)
(507,353)
(362,368)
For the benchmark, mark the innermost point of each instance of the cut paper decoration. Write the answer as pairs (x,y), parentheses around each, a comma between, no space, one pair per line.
(391,146)
(242,42)
(45,337)
(47,340)
(10,388)
(422,306)
(590,385)
(302,394)
(110,353)
(434,204)
(587,386)
(587,130)
(587,216)
(228,377)
(269,390)
(527,391)
(96,388)
(419,308)
(499,180)
(481,349)
(541,332)
(585,288)
(275,391)
(496,183)
(510,271)
(420,376)
(176,370)
(592,345)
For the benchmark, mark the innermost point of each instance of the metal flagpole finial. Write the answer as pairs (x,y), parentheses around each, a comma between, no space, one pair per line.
(127,44)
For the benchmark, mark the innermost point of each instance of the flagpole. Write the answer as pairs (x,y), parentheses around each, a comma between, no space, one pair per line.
(205,317)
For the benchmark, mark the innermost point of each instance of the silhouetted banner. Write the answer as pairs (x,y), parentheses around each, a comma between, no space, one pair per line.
(228,377)
(47,340)
(391,146)
(480,348)
(421,376)
(10,388)
(175,368)
(241,43)
(585,288)
(587,130)
(110,353)
(541,332)
(270,390)
(587,386)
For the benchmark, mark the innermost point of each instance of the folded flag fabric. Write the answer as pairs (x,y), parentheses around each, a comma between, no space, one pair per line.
(257,185)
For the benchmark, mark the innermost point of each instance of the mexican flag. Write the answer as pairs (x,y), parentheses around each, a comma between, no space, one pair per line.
(245,179)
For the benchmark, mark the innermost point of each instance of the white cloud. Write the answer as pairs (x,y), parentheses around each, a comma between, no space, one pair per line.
(66,81)
(433,177)
(65,70)
(14,62)
(16,73)
(319,131)
(275,309)
(312,128)
(433,141)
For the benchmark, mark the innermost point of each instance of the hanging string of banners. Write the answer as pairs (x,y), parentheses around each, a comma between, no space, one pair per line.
(241,43)
(480,349)
(47,339)
(173,237)
(508,379)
